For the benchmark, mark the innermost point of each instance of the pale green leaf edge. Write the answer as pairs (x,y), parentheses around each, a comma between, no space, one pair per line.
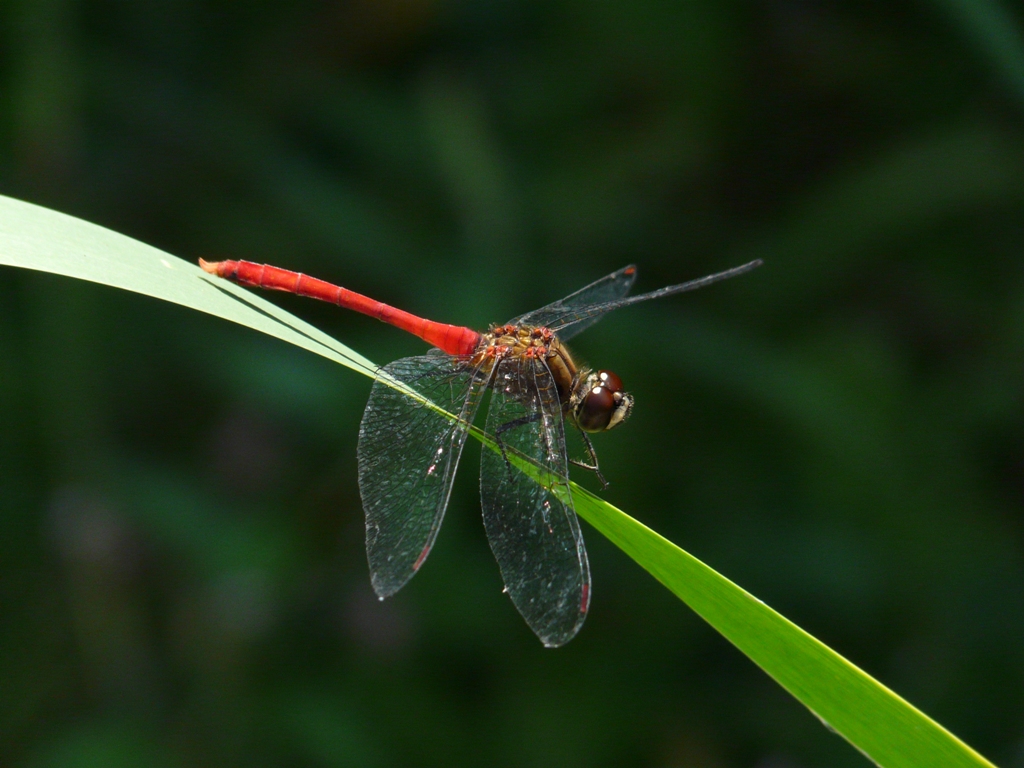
(883,726)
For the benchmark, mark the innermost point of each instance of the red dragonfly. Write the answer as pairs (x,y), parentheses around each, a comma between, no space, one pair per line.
(408,452)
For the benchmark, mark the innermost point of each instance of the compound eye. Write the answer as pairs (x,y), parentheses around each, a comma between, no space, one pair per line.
(610,380)
(595,411)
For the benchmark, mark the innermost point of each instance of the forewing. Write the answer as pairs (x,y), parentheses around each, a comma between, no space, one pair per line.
(582,316)
(407,455)
(535,538)
(611,288)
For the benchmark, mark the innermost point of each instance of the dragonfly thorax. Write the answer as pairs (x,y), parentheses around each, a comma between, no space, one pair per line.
(594,401)
(516,347)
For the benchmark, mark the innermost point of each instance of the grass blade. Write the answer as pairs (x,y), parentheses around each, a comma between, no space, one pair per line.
(883,726)
(875,720)
(38,238)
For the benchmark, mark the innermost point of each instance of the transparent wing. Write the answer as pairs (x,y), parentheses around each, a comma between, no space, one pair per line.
(535,538)
(574,319)
(611,288)
(407,456)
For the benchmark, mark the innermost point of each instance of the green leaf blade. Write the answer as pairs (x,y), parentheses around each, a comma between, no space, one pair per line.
(867,714)
(36,238)
(879,723)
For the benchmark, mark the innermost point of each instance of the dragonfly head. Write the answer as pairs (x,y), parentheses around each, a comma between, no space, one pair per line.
(603,404)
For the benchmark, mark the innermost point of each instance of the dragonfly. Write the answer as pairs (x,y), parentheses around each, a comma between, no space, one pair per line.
(409,446)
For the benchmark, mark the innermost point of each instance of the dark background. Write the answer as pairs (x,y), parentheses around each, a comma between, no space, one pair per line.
(182,577)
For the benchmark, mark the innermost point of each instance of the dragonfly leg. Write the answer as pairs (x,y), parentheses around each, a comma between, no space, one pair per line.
(593,459)
(509,425)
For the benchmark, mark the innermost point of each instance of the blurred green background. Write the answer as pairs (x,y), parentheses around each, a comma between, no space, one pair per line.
(182,576)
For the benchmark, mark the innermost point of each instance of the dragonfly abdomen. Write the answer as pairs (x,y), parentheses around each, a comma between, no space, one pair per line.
(453,339)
